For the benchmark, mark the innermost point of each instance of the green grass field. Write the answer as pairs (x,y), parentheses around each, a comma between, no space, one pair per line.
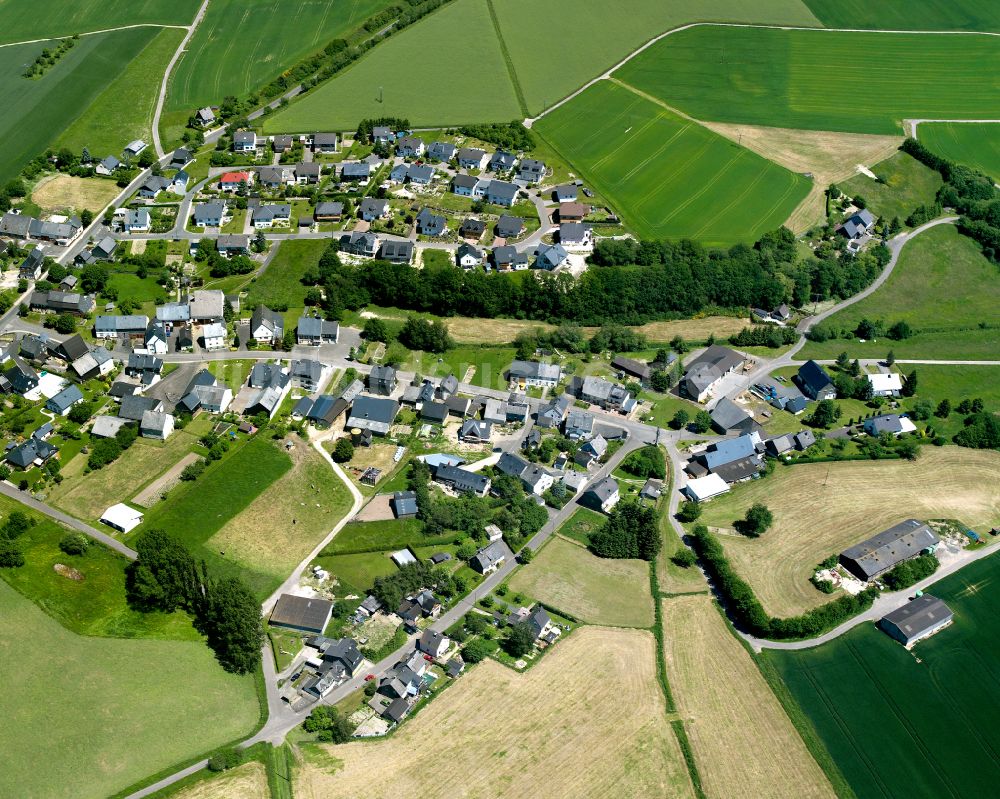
(195,511)
(242,44)
(49,104)
(281,282)
(964,15)
(667,177)
(977,145)
(489,363)
(24,20)
(943,287)
(811,79)
(597,40)
(910,725)
(124,110)
(106,712)
(908,183)
(423,76)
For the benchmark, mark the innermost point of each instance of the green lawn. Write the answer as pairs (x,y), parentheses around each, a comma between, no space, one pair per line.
(908,183)
(902,724)
(666,176)
(418,75)
(944,288)
(977,145)
(242,44)
(195,511)
(124,110)
(597,40)
(49,104)
(357,572)
(965,15)
(490,364)
(132,287)
(810,79)
(376,536)
(106,712)
(581,525)
(24,19)
(281,283)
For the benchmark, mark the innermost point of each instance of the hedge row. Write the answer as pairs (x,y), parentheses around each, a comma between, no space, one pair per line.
(749,614)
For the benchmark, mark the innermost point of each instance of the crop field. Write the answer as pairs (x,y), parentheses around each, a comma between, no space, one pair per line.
(587,720)
(928,15)
(288,518)
(417,74)
(810,79)
(595,590)
(24,20)
(64,193)
(944,288)
(197,511)
(743,742)
(977,145)
(106,691)
(669,177)
(242,44)
(908,184)
(47,105)
(124,110)
(822,508)
(248,781)
(597,40)
(901,724)
(281,283)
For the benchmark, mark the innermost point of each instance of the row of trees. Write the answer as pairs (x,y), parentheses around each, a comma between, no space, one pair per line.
(16,525)
(165,577)
(630,531)
(510,136)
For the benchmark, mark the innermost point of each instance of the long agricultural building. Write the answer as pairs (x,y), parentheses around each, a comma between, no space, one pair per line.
(880,553)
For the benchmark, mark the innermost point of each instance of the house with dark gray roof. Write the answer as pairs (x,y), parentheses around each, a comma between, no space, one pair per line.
(476,431)
(359,171)
(441,151)
(728,417)
(324,142)
(410,147)
(328,211)
(308,614)
(601,496)
(814,382)
(306,373)
(209,214)
(62,302)
(358,243)
(552,413)
(132,408)
(534,373)
(502,161)
(61,403)
(631,367)
(382,380)
(893,423)
(23,456)
(21,377)
(706,371)
(462,480)
(531,170)
(264,216)
(266,326)
(375,414)
(472,229)
(396,252)
(550,256)
(315,331)
(499,192)
(506,258)
(431,224)
(490,558)
(471,158)
(465,185)
(880,553)
(916,620)
(858,224)
(371,208)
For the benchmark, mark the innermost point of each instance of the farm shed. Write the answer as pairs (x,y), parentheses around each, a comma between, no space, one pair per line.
(122,518)
(704,488)
(309,614)
(889,548)
(917,619)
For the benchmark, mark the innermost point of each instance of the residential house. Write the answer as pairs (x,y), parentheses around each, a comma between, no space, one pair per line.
(550,256)
(814,382)
(858,225)
(324,142)
(579,425)
(433,643)
(733,459)
(421,174)
(179,183)
(156,425)
(32,266)
(281,144)
(95,363)
(410,147)
(490,558)
(357,243)
(115,326)
(575,234)
(205,116)
(61,302)
(359,171)
(431,224)
(534,373)
(375,414)
(153,186)
(565,193)
(70,349)
(607,395)
(804,440)
(892,423)
(244,141)
(134,147)
(507,258)
(552,413)
(441,151)
(886,385)
(264,216)
(601,496)
(32,452)
(339,660)
(234,181)
(214,336)
(707,371)
(382,134)
(132,408)
(471,158)
(464,185)
(371,209)
(328,211)
(141,364)
(434,412)
(306,374)
(230,244)
(531,171)
(382,380)
(308,173)
(572,212)
(499,192)
(592,450)
(266,326)
(61,403)
(476,431)
(728,417)
(396,252)
(209,214)
(468,257)
(502,161)
(472,229)
(206,305)
(315,331)
(274,177)
(136,221)
(462,480)
(108,166)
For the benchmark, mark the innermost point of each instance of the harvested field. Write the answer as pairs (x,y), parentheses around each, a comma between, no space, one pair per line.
(830,157)
(65,193)
(286,520)
(743,742)
(596,590)
(822,508)
(379,509)
(248,781)
(588,720)
(154,492)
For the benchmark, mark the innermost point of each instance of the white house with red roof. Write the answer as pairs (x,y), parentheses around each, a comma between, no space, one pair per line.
(231,181)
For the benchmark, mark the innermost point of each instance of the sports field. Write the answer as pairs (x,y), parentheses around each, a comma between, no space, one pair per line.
(903,724)
(242,44)
(744,744)
(420,74)
(669,177)
(47,105)
(977,145)
(811,79)
(907,184)
(927,15)
(124,110)
(822,508)
(595,590)
(90,716)
(24,20)
(587,720)
(943,287)
(597,40)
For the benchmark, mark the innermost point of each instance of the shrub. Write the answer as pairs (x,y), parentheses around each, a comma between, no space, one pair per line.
(476,650)
(910,572)
(227,759)
(74,543)
(343,450)
(684,558)
(194,470)
(689,511)
(646,462)
(756,522)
